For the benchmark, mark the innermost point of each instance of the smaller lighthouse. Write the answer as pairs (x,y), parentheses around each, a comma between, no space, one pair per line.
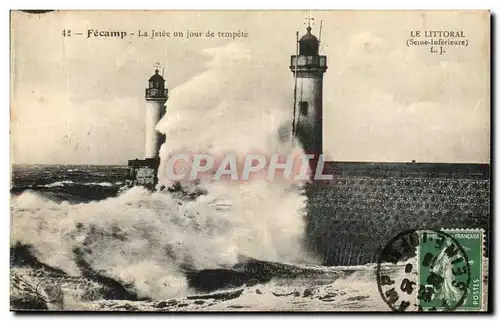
(144,172)
(156,97)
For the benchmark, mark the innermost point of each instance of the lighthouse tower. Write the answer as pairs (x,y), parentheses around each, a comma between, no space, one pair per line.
(156,97)
(144,172)
(308,68)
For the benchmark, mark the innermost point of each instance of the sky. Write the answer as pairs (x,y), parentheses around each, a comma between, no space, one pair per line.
(79,100)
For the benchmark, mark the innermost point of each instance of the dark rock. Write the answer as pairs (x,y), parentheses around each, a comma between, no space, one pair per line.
(161,305)
(358,298)
(27,303)
(126,306)
(224,296)
(164,304)
(308,292)
(295,293)
(211,280)
(258,291)
(328,298)
(199,302)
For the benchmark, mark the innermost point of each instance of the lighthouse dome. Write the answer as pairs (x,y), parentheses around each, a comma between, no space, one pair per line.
(156,77)
(157,81)
(308,44)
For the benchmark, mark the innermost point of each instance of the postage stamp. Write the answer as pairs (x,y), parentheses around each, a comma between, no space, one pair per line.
(451,269)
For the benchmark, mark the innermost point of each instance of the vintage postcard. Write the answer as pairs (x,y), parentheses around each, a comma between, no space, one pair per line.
(238,161)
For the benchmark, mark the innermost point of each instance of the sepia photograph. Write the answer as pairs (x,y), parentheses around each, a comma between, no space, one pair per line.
(250,160)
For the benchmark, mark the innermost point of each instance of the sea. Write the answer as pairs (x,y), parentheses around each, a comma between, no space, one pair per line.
(71,183)
(85,229)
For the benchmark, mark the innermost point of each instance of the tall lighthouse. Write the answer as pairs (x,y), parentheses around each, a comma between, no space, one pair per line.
(156,97)
(308,67)
(144,172)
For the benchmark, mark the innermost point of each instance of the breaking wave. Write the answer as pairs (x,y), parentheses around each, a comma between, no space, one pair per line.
(68,182)
(150,239)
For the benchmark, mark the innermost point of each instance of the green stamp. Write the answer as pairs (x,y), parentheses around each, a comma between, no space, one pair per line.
(450,270)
